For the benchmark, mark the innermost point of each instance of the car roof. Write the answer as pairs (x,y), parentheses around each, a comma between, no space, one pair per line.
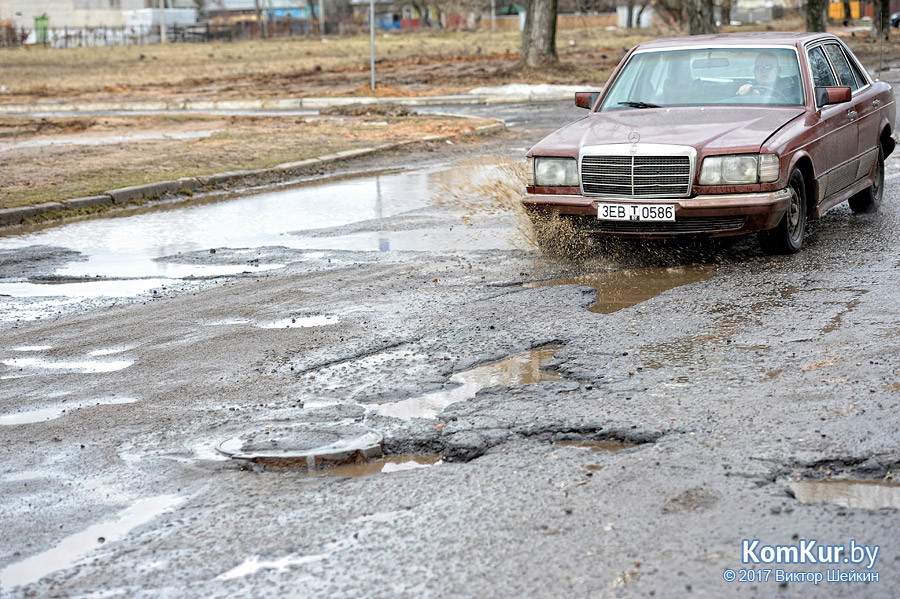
(761,38)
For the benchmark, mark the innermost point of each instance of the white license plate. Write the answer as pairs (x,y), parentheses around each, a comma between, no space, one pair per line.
(636,212)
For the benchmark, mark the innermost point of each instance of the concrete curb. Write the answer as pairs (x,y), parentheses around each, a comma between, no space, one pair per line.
(170,189)
(283,104)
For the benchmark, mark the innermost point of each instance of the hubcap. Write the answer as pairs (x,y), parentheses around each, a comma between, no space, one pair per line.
(793,215)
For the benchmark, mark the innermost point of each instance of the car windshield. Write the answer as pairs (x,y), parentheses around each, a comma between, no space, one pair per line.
(707,76)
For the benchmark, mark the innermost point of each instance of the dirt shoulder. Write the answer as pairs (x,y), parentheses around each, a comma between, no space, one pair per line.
(52,159)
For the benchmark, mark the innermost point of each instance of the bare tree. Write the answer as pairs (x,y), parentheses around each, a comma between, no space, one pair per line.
(701,18)
(815,15)
(539,35)
(261,19)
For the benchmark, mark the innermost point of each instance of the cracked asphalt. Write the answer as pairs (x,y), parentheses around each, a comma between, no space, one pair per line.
(725,390)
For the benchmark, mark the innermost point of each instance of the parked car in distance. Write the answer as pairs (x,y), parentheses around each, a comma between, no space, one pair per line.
(720,135)
(895,19)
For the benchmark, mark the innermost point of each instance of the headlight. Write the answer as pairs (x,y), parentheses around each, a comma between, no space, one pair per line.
(739,169)
(555,172)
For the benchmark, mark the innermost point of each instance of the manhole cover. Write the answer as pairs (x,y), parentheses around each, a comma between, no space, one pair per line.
(309,447)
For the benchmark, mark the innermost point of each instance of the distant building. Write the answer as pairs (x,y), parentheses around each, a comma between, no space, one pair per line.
(67,13)
(760,11)
(225,10)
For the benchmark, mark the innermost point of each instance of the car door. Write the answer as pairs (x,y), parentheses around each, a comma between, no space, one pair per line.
(864,104)
(836,154)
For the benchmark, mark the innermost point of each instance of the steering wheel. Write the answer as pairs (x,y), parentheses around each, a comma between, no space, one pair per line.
(761,90)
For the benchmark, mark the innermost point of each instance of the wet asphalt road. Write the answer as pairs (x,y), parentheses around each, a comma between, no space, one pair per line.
(729,377)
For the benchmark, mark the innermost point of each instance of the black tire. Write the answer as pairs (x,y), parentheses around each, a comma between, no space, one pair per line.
(869,200)
(787,236)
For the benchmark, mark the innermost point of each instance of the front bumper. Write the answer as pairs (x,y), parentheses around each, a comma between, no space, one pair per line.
(704,215)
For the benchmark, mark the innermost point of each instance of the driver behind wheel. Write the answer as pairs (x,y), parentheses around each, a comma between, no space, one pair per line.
(766,73)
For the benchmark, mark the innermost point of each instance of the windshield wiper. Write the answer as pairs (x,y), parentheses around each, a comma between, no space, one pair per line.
(639,104)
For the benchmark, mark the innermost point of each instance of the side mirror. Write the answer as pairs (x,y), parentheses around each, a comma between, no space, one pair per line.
(832,95)
(587,99)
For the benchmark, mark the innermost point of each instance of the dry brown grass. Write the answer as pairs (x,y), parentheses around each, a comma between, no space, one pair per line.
(48,72)
(31,175)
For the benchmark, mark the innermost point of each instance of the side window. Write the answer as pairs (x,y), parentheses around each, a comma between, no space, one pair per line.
(821,70)
(857,73)
(842,66)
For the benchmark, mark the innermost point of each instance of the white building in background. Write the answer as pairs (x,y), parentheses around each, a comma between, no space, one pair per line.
(68,13)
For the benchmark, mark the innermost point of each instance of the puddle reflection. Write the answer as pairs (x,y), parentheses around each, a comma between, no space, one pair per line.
(521,369)
(864,494)
(625,288)
(395,463)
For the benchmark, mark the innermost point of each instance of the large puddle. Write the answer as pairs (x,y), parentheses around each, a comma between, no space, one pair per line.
(625,288)
(521,369)
(863,494)
(72,549)
(393,211)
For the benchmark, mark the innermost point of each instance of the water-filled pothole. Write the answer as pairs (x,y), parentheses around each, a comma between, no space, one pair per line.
(305,447)
(55,411)
(396,463)
(621,289)
(75,547)
(597,446)
(85,367)
(521,369)
(862,494)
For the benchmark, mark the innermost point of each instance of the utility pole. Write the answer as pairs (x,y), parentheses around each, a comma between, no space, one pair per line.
(162,21)
(372,38)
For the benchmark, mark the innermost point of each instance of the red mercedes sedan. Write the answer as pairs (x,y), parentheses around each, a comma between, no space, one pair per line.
(720,135)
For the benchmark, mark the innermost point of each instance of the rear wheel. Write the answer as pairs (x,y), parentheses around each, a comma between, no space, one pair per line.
(870,199)
(787,236)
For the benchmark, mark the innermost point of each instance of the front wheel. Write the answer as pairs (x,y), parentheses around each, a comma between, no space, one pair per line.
(869,199)
(787,236)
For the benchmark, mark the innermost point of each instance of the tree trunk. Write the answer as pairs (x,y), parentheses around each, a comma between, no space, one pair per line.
(629,15)
(881,19)
(726,12)
(637,17)
(701,19)
(815,15)
(260,19)
(539,35)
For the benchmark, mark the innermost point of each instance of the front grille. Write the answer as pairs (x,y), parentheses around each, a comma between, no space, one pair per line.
(661,176)
(685,225)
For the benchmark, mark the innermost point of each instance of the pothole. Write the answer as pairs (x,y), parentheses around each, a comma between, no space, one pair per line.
(294,322)
(521,369)
(84,367)
(298,323)
(396,463)
(305,447)
(609,446)
(77,546)
(55,411)
(621,289)
(861,494)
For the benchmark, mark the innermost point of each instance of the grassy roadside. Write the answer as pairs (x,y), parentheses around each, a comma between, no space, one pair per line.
(35,174)
(297,66)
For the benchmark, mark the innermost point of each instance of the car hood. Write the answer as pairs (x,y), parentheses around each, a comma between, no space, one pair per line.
(709,130)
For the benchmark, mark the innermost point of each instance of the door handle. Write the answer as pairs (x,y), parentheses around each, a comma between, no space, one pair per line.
(876,103)
(852,114)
